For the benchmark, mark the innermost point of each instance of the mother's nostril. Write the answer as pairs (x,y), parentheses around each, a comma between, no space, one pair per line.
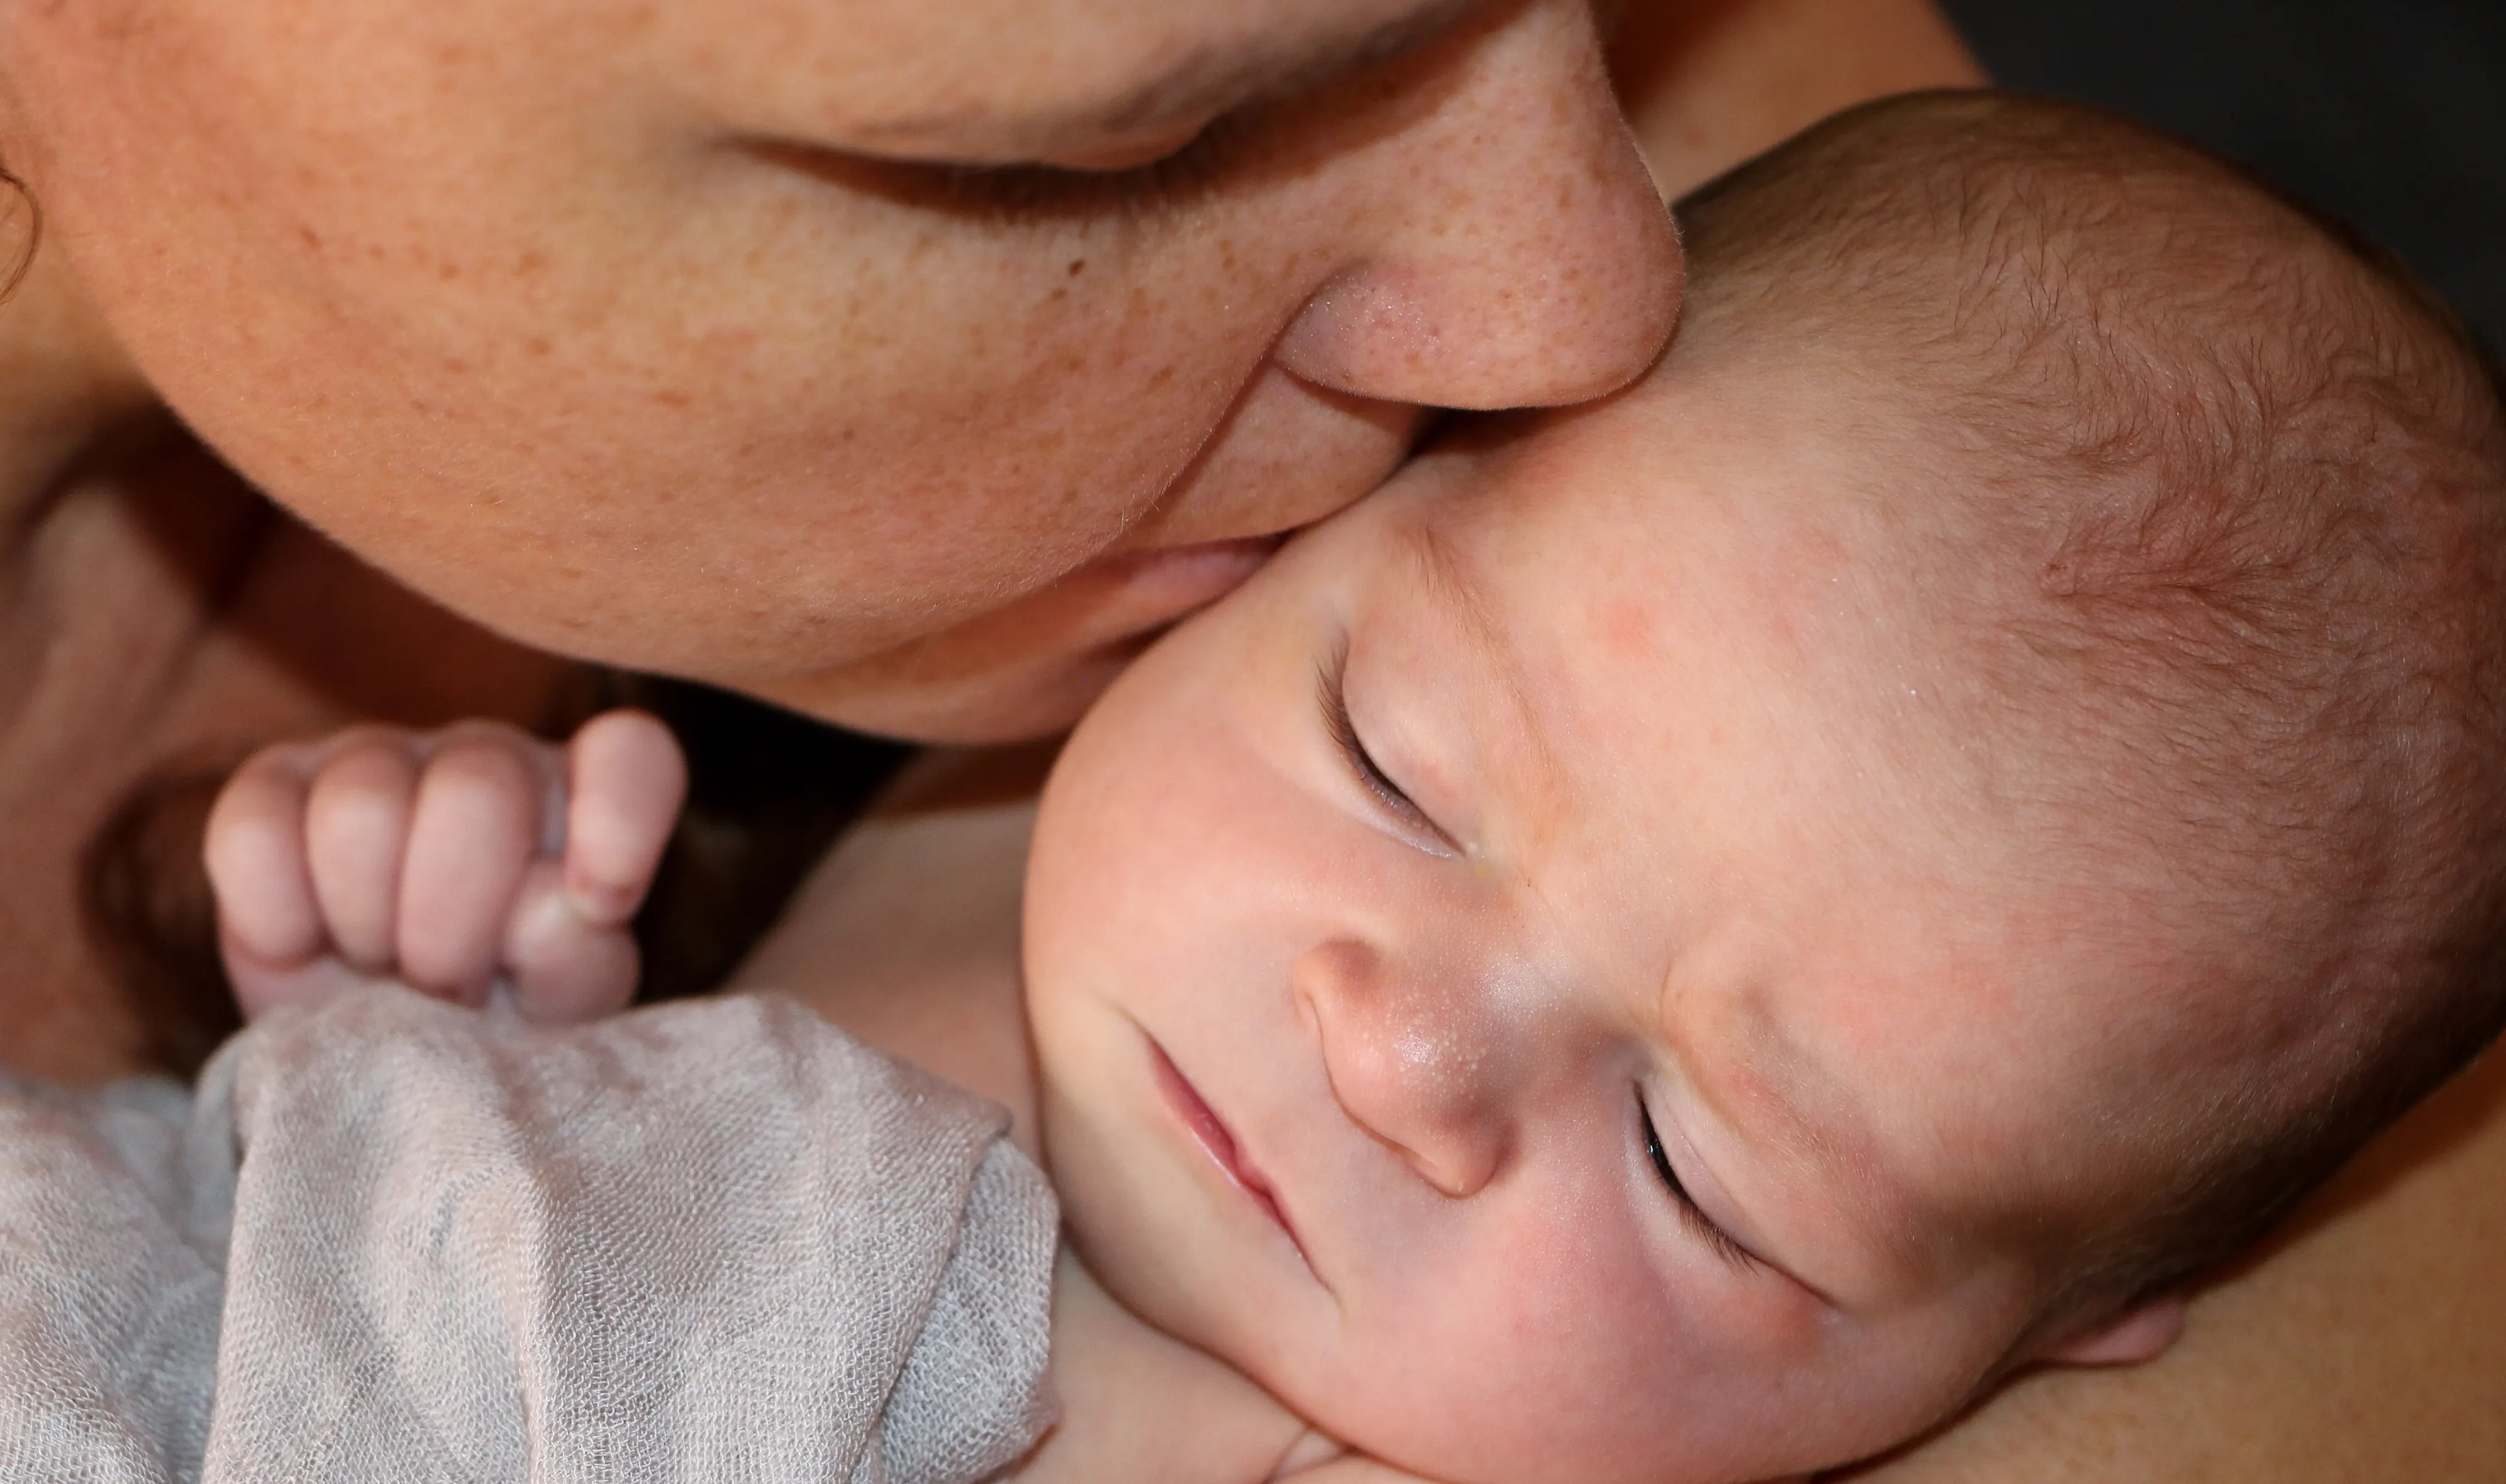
(1515,253)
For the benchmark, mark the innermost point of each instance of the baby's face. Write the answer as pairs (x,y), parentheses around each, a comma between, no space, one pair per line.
(1503,979)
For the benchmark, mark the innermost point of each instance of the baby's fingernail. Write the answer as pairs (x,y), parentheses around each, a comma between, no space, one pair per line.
(601,903)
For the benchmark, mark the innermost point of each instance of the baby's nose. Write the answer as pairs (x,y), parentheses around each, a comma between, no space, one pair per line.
(1410,1060)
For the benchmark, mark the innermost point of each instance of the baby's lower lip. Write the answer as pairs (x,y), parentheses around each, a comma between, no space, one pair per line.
(1215,1141)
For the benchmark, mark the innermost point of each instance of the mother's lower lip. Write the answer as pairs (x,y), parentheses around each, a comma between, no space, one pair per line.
(1214,1139)
(1175,580)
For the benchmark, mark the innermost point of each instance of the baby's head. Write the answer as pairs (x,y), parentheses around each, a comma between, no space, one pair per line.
(1684,937)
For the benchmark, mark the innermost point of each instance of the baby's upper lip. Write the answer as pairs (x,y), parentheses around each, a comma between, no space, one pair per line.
(1216,1141)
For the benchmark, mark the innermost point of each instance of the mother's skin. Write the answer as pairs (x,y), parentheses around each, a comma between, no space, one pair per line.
(907,363)
(895,360)
(653,341)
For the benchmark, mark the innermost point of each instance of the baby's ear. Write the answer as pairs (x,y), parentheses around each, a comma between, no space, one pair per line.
(2138,1334)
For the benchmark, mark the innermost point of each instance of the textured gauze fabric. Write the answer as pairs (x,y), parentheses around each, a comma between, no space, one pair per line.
(389,1241)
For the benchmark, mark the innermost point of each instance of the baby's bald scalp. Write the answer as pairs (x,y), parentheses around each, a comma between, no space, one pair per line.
(2223,496)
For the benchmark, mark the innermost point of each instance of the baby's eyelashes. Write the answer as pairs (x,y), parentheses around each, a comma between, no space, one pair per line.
(1694,1215)
(1420,827)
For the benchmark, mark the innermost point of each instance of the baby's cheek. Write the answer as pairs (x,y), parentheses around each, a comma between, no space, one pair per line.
(1549,1347)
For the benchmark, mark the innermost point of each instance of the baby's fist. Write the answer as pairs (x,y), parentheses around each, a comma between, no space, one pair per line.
(475,863)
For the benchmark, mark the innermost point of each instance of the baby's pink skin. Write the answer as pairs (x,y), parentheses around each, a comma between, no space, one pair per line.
(477,862)
(1344,1086)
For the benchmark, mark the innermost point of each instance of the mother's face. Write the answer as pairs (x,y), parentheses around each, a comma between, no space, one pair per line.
(903,359)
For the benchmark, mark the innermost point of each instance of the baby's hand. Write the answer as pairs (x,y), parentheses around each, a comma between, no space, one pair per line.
(475,863)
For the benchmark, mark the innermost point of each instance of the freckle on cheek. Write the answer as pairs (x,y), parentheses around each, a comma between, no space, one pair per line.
(1623,628)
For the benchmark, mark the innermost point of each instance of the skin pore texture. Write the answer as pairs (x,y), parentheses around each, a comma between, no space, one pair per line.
(1183,274)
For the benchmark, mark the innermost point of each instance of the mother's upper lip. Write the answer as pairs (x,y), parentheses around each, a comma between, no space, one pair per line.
(1217,1142)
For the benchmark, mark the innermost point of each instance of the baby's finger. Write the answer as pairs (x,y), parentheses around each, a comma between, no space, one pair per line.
(626,780)
(564,968)
(356,829)
(254,852)
(261,985)
(475,827)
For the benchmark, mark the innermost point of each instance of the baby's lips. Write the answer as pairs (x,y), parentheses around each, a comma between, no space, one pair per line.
(1216,1139)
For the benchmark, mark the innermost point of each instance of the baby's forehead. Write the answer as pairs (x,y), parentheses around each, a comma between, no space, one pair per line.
(1789,700)
(2125,617)
(1696,591)
(1980,1043)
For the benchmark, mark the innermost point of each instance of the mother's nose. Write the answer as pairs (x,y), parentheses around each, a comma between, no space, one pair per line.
(1413,1063)
(1510,250)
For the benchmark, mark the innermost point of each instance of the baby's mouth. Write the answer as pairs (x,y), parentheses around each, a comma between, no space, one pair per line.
(1217,1143)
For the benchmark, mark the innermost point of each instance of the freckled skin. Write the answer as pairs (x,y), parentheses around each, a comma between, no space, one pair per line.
(671,344)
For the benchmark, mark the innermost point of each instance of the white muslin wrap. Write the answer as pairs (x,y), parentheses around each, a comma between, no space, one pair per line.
(388,1241)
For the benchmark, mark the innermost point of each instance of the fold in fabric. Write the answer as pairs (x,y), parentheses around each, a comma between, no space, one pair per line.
(388,1240)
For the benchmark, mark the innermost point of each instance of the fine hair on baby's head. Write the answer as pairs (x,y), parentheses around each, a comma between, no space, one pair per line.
(1684,936)
(2215,520)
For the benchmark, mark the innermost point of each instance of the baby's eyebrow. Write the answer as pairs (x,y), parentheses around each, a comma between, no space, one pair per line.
(1449,572)
(1801,1117)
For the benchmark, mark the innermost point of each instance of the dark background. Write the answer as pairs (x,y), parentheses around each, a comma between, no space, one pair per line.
(2392,114)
